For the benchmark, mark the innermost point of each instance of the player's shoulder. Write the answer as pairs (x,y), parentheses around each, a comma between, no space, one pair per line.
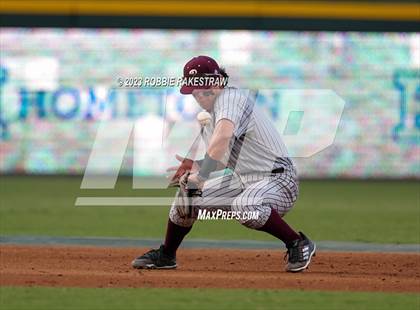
(232,95)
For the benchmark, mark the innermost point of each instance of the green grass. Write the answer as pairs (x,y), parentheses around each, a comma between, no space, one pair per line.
(384,212)
(151,298)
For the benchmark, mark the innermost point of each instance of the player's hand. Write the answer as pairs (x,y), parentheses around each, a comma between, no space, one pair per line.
(186,165)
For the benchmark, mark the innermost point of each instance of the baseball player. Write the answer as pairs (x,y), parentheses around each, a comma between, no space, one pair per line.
(260,178)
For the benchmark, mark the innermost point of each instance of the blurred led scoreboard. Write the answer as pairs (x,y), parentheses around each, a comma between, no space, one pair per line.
(58,86)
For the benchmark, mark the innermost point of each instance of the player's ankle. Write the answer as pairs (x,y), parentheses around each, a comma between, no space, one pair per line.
(168,252)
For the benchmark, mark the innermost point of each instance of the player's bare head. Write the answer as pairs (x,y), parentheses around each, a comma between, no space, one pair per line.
(204,79)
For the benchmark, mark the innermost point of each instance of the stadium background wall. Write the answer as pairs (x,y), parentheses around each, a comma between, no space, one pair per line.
(359,15)
(376,73)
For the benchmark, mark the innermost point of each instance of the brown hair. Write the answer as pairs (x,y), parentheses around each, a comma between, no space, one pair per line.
(223,73)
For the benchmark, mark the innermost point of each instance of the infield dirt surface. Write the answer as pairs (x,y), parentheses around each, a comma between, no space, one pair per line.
(73,266)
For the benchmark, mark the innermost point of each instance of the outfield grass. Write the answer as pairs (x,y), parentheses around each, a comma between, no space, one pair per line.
(153,298)
(383,212)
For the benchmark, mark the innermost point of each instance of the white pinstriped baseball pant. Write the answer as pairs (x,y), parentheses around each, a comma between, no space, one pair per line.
(250,192)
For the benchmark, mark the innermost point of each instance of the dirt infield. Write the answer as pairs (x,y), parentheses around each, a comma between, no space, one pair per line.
(221,268)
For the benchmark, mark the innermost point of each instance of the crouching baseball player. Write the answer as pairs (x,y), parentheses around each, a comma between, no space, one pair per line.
(261,179)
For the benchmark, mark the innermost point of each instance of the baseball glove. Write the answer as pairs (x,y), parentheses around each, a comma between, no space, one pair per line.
(186,195)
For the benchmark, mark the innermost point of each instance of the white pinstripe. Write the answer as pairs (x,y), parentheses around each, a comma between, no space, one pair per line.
(217,193)
(256,150)
(246,193)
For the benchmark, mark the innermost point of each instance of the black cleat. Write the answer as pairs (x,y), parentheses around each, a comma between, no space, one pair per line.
(300,254)
(154,259)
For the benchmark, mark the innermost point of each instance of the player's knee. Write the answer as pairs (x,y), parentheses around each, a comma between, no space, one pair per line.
(237,205)
(254,220)
(244,204)
(250,214)
(251,224)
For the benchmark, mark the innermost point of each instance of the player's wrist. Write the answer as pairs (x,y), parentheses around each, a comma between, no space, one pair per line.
(200,178)
(208,166)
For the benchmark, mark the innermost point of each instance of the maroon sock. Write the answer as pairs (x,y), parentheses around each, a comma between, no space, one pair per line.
(174,236)
(277,227)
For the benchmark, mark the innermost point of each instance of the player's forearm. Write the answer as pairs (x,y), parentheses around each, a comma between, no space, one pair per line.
(218,149)
(220,140)
(218,146)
